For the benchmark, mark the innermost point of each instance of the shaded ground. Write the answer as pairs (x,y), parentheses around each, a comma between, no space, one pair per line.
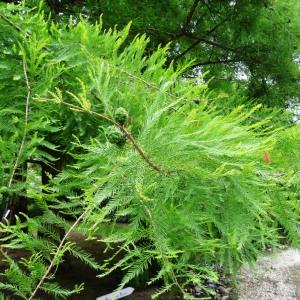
(73,271)
(274,277)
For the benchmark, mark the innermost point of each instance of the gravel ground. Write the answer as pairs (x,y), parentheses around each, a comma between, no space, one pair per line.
(274,277)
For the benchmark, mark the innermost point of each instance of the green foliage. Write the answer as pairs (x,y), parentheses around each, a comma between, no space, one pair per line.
(196,184)
(254,44)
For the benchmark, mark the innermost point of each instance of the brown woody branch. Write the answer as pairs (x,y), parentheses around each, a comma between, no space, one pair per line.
(127,133)
(190,14)
(210,42)
(183,30)
(200,40)
(215,62)
(187,50)
(213,29)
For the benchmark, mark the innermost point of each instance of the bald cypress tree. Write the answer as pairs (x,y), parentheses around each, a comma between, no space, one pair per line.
(201,190)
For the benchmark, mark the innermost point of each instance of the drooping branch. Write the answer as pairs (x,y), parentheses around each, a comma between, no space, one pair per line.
(163,256)
(126,132)
(25,122)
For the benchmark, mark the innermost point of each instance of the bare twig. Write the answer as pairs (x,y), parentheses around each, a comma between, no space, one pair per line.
(187,50)
(8,21)
(173,37)
(210,42)
(12,24)
(184,28)
(214,62)
(190,14)
(41,163)
(207,6)
(167,33)
(202,40)
(57,253)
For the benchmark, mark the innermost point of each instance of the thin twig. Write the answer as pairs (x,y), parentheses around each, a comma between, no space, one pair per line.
(147,83)
(2,252)
(187,50)
(12,24)
(41,163)
(57,253)
(198,41)
(214,62)
(184,28)
(210,42)
(210,31)
(128,134)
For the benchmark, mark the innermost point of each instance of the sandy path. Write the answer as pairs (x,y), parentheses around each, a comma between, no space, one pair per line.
(274,277)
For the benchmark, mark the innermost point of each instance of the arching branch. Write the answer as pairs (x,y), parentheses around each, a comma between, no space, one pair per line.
(127,133)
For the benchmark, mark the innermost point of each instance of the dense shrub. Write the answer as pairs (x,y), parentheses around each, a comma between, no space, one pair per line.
(200,189)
